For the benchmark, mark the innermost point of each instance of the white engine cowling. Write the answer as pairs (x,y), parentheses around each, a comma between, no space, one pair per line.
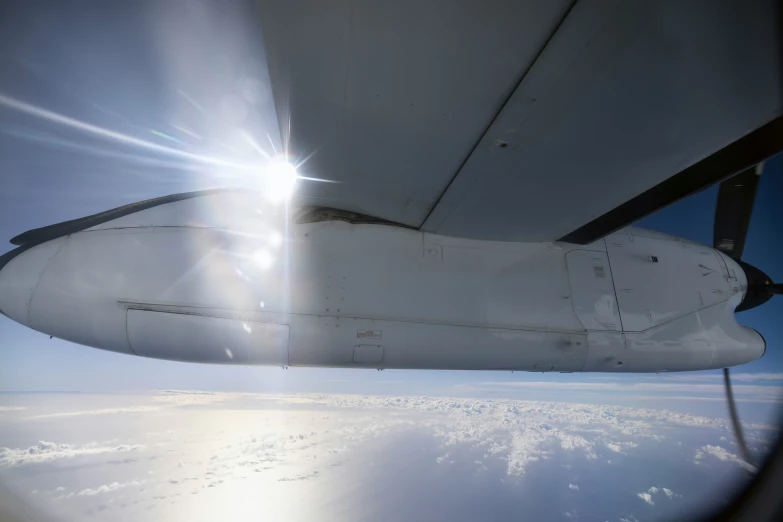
(222,279)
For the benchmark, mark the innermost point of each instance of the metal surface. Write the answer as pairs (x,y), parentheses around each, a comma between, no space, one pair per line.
(514,121)
(624,97)
(201,338)
(174,282)
(693,276)
(390,97)
(39,235)
(592,290)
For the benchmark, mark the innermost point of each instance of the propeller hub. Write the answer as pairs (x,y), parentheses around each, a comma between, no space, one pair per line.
(760,287)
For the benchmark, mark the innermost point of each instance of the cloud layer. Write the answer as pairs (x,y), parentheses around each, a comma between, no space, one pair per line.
(184,445)
(44,452)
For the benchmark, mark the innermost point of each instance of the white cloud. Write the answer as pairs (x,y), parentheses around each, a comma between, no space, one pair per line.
(104,411)
(756,377)
(301,437)
(572,442)
(192,397)
(107,488)
(303,476)
(671,494)
(646,497)
(748,392)
(12,408)
(718,377)
(50,451)
(722,454)
(519,431)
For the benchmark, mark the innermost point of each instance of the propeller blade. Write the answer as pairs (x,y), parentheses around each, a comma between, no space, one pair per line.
(735,422)
(732,213)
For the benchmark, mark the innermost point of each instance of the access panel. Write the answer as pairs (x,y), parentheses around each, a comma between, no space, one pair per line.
(592,290)
(368,354)
(659,279)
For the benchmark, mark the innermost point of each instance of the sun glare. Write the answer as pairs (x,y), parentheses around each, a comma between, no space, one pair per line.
(263,259)
(280,180)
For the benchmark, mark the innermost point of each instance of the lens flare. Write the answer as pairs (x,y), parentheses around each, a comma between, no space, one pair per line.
(263,259)
(275,239)
(107,134)
(280,180)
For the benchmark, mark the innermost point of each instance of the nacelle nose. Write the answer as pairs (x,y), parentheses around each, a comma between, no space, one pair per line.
(20,275)
(735,271)
(747,346)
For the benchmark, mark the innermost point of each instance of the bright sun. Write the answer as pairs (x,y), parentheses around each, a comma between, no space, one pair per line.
(280,179)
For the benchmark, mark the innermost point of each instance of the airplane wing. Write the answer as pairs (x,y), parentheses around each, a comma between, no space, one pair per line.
(522,121)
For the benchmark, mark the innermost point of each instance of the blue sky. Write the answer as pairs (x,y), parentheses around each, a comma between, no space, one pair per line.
(130,84)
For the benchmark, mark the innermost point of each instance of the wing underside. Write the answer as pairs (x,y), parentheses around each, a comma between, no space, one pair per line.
(537,120)
(520,121)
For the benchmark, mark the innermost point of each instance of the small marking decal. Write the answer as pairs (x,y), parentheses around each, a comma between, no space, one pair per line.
(369,334)
(599,272)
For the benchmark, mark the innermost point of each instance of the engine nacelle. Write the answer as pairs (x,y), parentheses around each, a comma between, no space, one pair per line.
(214,279)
